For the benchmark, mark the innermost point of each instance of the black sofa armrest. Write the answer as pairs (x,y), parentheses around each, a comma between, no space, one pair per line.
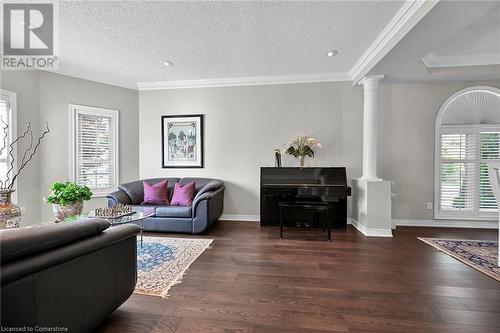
(45,259)
(118,197)
(74,286)
(23,242)
(206,195)
(207,208)
(211,186)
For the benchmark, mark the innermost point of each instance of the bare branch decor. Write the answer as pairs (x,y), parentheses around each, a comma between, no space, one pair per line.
(29,152)
(33,152)
(10,214)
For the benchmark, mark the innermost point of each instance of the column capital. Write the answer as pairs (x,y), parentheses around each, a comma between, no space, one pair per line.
(370,79)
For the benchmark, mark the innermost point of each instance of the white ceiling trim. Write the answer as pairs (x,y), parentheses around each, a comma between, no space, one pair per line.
(432,61)
(405,19)
(245,81)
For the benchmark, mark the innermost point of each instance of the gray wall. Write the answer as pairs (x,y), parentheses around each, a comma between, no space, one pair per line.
(25,85)
(243,125)
(406,142)
(48,100)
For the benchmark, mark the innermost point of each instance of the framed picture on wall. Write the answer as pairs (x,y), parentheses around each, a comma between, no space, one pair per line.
(182,141)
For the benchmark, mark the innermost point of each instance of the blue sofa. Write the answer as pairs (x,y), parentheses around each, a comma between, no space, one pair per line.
(206,209)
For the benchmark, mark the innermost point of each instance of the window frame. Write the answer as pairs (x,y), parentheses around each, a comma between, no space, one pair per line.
(75,110)
(12,113)
(476,215)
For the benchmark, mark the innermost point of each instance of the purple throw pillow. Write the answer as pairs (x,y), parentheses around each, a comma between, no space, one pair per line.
(156,194)
(183,195)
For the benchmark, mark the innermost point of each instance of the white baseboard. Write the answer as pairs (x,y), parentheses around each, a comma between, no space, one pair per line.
(251,218)
(446,223)
(383,232)
(371,232)
(238,217)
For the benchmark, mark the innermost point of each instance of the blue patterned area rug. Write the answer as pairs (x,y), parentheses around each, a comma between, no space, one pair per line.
(479,254)
(162,262)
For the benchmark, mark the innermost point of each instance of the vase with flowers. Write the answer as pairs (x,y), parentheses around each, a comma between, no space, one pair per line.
(301,147)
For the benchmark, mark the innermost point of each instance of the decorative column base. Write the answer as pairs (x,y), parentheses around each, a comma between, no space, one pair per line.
(371,207)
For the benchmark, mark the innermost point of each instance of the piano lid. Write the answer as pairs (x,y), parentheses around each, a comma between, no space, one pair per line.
(289,176)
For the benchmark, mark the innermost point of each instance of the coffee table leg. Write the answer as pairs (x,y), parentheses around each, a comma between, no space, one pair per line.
(142,228)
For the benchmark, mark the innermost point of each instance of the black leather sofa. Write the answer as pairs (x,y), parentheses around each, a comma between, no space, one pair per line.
(67,276)
(206,209)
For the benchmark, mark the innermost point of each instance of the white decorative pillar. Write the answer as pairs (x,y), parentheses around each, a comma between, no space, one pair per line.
(371,205)
(370,126)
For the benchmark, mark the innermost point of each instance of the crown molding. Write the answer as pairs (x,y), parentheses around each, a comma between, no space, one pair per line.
(405,19)
(245,81)
(431,60)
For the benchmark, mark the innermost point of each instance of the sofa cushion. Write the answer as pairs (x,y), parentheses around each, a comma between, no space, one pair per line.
(135,190)
(174,211)
(183,194)
(155,194)
(146,209)
(16,243)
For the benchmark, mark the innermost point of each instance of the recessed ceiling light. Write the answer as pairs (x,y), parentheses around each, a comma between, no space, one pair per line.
(168,63)
(332,53)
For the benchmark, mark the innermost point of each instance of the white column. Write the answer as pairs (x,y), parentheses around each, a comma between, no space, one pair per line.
(370,126)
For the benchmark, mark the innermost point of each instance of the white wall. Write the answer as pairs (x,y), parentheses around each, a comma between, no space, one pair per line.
(243,125)
(25,85)
(44,96)
(406,142)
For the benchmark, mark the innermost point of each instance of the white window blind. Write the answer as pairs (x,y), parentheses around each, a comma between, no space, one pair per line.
(489,151)
(464,187)
(95,148)
(7,115)
(4,156)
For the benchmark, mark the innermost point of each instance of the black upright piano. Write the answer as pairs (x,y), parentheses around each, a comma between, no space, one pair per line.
(325,184)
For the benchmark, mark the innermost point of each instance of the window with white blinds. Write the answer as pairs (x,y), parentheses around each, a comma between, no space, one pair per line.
(464,186)
(7,116)
(95,148)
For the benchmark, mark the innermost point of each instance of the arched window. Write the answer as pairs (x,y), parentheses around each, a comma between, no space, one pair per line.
(467,137)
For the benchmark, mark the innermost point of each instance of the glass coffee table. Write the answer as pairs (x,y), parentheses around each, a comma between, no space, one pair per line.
(138,216)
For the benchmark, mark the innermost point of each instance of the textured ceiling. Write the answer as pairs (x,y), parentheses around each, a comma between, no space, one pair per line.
(123,43)
(463,38)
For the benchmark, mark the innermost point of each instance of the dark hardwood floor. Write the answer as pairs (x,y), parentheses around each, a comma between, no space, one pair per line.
(251,281)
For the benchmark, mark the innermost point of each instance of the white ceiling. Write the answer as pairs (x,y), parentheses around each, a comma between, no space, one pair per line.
(456,40)
(481,37)
(123,43)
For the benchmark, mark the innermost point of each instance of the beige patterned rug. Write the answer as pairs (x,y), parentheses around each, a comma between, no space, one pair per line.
(478,254)
(162,262)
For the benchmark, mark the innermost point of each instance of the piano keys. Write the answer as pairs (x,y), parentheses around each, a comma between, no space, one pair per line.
(323,184)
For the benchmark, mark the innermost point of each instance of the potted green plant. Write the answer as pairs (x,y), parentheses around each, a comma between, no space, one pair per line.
(67,199)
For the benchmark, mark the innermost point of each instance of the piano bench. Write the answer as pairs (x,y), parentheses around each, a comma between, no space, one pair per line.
(307,205)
